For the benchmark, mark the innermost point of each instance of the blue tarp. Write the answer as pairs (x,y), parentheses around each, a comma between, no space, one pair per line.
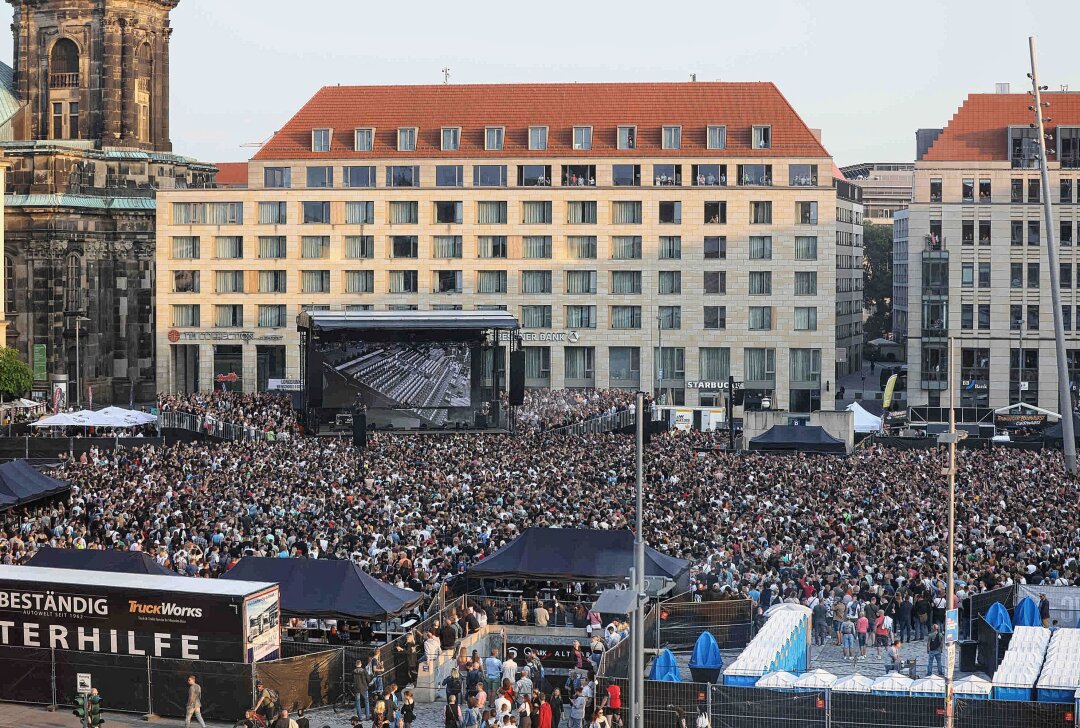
(20,484)
(664,668)
(706,652)
(998,618)
(1026,613)
(325,588)
(118,562)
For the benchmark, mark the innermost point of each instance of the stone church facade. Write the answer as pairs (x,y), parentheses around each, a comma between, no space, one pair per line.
(84,129)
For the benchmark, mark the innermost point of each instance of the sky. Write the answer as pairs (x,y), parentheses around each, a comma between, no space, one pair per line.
(868,73)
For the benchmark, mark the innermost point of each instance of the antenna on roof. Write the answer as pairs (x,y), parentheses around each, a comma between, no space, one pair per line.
(446,76)
(693,77)
(1064,88)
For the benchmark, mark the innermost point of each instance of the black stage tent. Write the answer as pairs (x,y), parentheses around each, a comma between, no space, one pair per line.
(570,554)
(326,589)
(120,562)
(20,484)
(1053,433)
(800,438)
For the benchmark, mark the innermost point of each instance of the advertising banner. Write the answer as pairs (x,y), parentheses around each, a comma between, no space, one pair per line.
(261,616)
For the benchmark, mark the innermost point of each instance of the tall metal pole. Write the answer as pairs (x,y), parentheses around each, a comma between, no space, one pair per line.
(660,355)
(78,369)
(637,681)
(950,648)
(1064,395)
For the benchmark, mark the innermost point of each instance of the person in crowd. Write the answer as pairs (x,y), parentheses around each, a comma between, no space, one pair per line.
(194,703)
(283,720)
(892,657)
(577,709)
(408,709)
(493,671)
(1044,610)
(934,646)
(452,715)
(361,688)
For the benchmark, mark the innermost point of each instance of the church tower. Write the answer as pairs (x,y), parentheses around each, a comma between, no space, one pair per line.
(94,70)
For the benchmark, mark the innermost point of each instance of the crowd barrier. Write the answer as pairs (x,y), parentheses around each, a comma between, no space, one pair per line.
(753,707)
(613,422)
(681,622)
(52,448)
(214,427)
(158,686)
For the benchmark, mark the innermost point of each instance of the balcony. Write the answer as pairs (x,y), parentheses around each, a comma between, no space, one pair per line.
(63,80)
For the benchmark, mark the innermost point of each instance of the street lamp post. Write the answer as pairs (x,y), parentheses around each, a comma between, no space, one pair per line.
(637,634)
(79,318)
(660,356)
(950,438)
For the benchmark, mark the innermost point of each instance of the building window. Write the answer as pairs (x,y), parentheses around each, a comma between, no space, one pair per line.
(320,140)
(935,190)
(709,175)
(534,175)
(229,281)
(626,247)
(806,318)
(626,212)
(626,317)
(228,315)
(448,213)
(272,281)
(1033,318)
(493,138)
(580,317)
(580,364)
(536,212)
(967,275)
(359,281)
(1065,191)
(1016,275)
(363,140)
(805,247)
(316,213)
(581,212)
(802,175)
(671,213)
(184,281)
(626,137)
(806,213)
(404,213)
(967,190)
(582,137)
(984,316)
(805,283)
(760,318)
(1065,235)
(626,175)
(491,246)
(402,176)
(406,139)
(667,174)
(716,248)
(1033,232)
(277,177)
(1034,189)
(449,175)
(761,213)
(1016,191)
(447,281)
(716,317)
(536,317)
(626,282)
(670,317)
(403,281)
(446,246)
(1016,317)
(229,246)
(984,232)
(272,246)
(984,190)
(716,137)
(1016,232)
(359,246)
(967,316)
(185,314)
(360,212)
(489,175)
(272,213)
(760,247)
(984,275)
(581,247)
(536,281)
(714,363)
(1032,275)
(320,177)
(715,282)
(451,138)
(403,246)
(670,247)
(490,212)
(185,247)
(580,281)
(538,138)
(670,282)
(491,281)
(715,213)
(760,283)
(358,177)
(536,246)
(762,137)
(624,363)
(537,364)
(672,137)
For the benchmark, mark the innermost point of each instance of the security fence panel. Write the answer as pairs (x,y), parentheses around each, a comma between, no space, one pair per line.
(729,621)
(227,687)
(122,680)
(734,707)
(26,675)
(661,698)
(857,710)
(1009,714)
(308,681)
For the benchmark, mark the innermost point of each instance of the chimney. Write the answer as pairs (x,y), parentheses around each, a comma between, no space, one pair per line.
(817,134)
(1001,88)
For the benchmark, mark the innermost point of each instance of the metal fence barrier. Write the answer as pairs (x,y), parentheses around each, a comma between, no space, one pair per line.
(604,423)
(681,622)
(215,427)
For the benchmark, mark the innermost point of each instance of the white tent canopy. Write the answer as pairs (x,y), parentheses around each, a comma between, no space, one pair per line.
(973,685)
(894,682)
(853,684)
(779,679)
(933,685)
(815,679)
(107,417)
(864,421)
(22,404)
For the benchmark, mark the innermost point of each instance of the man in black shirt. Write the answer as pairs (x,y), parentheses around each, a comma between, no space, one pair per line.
(447,636)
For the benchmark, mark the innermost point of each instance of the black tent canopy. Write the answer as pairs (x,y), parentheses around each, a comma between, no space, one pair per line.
(570,554)
(326,589)
(21,483)
(800,438)
(1054,432)
(118,562)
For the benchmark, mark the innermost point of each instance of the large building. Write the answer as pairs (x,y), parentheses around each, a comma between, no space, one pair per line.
(849,277)
(976,263)
(886,188)
(645,235)
(84,127)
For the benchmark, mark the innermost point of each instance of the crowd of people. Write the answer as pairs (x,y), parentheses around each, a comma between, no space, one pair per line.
(261,411)
(545,409)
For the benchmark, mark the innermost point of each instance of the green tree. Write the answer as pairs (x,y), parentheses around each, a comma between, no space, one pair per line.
(877,280)
(16,377)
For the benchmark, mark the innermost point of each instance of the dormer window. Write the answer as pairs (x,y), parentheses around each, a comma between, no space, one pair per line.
(451,138)
(320,139)
(626,137)
(365,140)
(582,137)
(762,137)
(406,139)
(716,137)
(537,138)
(672,137)
(493,138)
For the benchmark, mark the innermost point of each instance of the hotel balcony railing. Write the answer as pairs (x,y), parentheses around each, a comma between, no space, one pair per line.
(63,80)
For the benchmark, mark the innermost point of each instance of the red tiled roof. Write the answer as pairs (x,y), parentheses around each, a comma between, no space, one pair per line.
(560,107)
(978,130)
(232,174)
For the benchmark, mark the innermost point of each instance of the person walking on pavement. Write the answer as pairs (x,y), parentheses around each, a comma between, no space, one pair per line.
(194,703)
(361,686)
(934,644)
